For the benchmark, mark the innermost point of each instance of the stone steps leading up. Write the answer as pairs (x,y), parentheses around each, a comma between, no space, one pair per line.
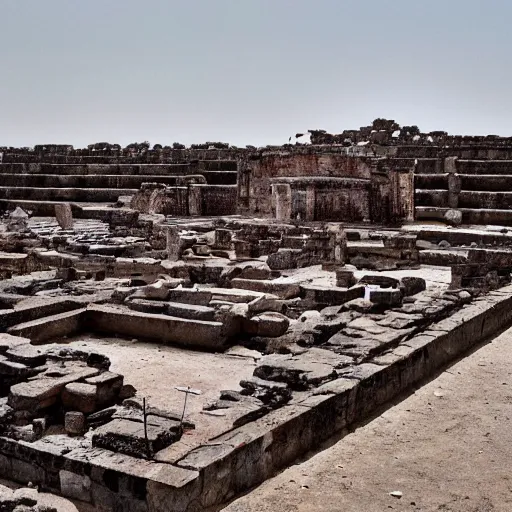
(481,189)
(35,308)
(463,166)
(481,167)
(92,195)
(467,199)
(500,217)
(105,180)
(464,237)
(118,169)
(51,327)
(469,182)
(431,197)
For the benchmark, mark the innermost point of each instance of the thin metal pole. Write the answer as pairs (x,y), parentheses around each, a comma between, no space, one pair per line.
(184,408)
(148,451)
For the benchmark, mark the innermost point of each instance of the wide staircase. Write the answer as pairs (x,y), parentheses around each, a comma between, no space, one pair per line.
(480,189)
(38,187)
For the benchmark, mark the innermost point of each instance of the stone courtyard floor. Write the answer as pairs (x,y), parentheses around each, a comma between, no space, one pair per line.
(447,448)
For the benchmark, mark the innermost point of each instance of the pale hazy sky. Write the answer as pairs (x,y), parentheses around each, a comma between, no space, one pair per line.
(249,71)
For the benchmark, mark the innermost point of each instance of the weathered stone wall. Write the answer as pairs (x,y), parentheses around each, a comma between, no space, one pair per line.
(255,179)
(347,203)
(219,200)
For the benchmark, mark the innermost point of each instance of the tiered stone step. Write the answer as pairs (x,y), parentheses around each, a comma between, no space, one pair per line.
(464,166)
(485,195)
(469,215)
(465,237)
(487,182)
(93,195)
(51,327)
(35,308)
(103,180)
(214,174)
(482,167)
(467,199)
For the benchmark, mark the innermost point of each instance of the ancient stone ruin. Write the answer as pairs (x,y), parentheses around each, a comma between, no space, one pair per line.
(178,324)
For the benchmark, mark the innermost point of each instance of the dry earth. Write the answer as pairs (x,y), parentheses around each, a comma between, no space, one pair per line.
(447,448)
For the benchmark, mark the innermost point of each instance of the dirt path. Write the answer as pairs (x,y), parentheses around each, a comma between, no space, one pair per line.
(447,448)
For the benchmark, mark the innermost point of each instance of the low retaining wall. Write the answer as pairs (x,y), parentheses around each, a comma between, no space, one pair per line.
(245,456)
(206,335)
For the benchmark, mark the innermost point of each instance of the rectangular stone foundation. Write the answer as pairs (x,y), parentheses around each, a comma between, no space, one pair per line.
(206,475)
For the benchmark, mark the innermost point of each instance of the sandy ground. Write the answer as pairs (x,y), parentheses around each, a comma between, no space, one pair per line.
(447,448)
(437,278)
(155,370)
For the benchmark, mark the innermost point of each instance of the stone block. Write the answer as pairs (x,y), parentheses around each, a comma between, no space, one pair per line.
(201,249)
(261,273)
(412,285)
(157,307)
(77,487)
(14,370)
(453,217)
(108,386)
(50,327)
(26,354)
(282,289)
(268,324)
(128,437)
(190,311)
(386,297)
(157,290)
(164,328)
(64,215)
(25,472)
(331,295)
(263,304)
(80,397)
(222,238)
(74,423)
(379,280)
(190,296)
(345,278)
(39,426)
(8,341)
(41,393)
(284,259)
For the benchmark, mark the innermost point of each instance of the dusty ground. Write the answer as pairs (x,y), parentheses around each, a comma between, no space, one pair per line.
(435,277)
(155,370)
(447,448)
